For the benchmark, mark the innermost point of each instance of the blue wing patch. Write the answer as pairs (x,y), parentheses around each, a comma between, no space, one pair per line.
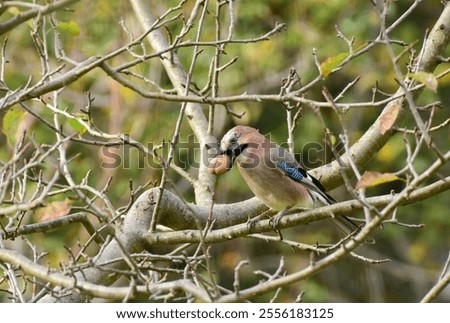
(300,175)
(293,172)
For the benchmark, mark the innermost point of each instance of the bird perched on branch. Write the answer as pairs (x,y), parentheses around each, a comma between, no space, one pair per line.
(273,174)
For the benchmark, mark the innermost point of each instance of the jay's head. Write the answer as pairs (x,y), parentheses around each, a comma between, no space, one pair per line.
(237,139)
(233,143)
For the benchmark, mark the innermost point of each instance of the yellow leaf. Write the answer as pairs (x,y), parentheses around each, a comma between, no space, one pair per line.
(388,153)
(427,79)
(14,11)
(331,63)
(71,27)
(76,124)
(417,252)
(333,140)
(372,178)
(11,124)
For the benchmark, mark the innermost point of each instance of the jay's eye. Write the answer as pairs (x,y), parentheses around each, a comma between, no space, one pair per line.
(233,140)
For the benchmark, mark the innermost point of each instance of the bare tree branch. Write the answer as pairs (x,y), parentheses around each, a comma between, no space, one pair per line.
(38,10)
(160,245)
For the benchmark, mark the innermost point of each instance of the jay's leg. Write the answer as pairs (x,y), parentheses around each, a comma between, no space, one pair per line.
(276,220)
(251,222)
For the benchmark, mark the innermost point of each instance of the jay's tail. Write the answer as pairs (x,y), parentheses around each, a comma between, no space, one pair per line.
(346,225)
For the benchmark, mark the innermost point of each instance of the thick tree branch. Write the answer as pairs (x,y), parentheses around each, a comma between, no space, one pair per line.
(190,221)
(437,289)
(94,289)
(195,115)
(187,225)
(229,218)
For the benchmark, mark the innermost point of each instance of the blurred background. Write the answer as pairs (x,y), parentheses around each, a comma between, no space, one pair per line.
(417,255)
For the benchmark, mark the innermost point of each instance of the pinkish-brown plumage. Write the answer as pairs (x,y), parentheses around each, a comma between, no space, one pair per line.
(273,174)
(258,166)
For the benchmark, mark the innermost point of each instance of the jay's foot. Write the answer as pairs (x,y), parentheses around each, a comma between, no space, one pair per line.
(275,221)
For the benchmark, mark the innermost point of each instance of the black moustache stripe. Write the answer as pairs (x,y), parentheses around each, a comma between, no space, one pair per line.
(233,153)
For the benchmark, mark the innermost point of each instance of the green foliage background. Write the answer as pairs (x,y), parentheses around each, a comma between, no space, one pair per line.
(417,254)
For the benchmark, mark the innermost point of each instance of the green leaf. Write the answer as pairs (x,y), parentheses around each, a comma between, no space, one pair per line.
(427,79)
(11,122)
(71,27)
(331,137)
(76,124)
(331,63)
(371,178)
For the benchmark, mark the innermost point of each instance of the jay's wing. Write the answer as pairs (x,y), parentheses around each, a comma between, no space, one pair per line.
(298,174)
(286,163)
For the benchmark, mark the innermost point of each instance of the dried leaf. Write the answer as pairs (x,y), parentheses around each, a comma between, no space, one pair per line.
(428,79)
(54,210)
(331,63)
(371,178)
(389,117)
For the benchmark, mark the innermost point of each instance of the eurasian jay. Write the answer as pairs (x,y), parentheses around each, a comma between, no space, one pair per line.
(272,173)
